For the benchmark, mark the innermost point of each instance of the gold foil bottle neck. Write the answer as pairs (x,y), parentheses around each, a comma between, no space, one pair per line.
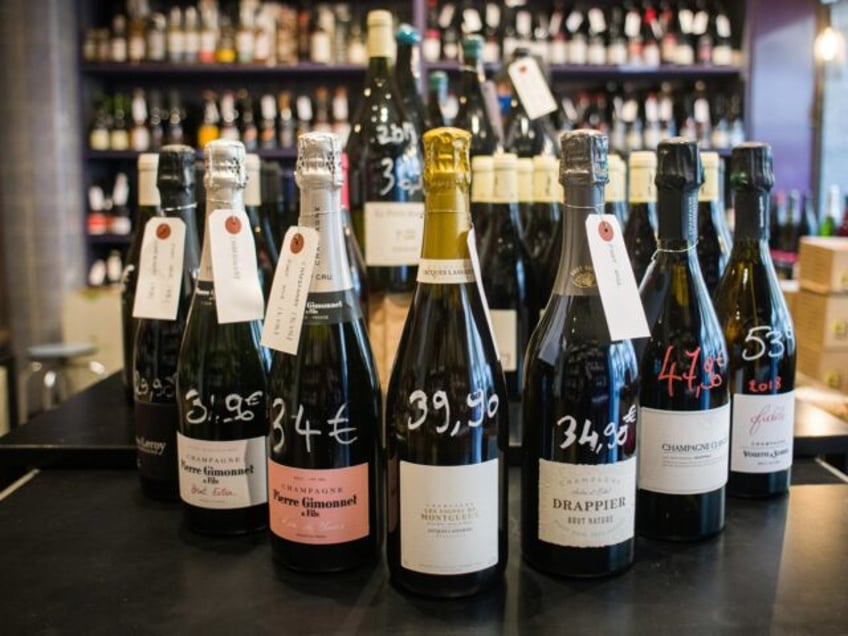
(446,159)
(319,160)
(224,161)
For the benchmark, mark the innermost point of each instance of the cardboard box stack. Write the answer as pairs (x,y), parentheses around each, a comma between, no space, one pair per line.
(820,311)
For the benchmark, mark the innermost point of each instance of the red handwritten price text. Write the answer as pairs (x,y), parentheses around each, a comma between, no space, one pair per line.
(691,377)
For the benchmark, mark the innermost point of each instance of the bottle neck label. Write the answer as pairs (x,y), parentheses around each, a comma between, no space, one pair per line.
(148,193)
(320,209)
(505,187)
(482,186)
(615,190)
(545,188)
(710,189)
(752,215)
(642,188)
(445,272)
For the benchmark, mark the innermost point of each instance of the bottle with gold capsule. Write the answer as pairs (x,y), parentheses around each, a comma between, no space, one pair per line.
(446,409)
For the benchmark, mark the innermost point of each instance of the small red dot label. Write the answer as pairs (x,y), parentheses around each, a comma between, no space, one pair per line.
(605,230)
(163,231)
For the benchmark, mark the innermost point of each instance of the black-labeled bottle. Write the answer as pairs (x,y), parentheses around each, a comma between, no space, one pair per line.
(157,341)
(581,394)
(386,199)
(640,231)
(472,115)
(148,207)
(684,423)
(714,242)
(221,385)
(446,415)
(615,193)
(543,230)
(508,283)
(266,251)
(760,338)
(325,402)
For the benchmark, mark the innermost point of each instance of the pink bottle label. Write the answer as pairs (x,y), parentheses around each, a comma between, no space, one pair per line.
(318,506)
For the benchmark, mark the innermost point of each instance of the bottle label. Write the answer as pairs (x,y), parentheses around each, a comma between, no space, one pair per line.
(238,293)
(642,187)
(683,452)
(762,432)
(156,441)
(587,506)
(222,474)
(449,517)
(289,290)
(318,507)
(505,328)
(445,272)
(160,269)
(393,233)
(331,308)
(531,87)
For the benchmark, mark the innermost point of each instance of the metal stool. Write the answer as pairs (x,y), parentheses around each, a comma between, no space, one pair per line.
(52,362)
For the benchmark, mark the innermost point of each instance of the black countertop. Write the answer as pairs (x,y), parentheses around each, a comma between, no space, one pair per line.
(85,553)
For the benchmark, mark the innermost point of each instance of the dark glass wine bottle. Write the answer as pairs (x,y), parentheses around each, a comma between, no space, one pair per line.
(157,341)
(148,207)
(446,416)
(580,403)
(221,387)
(407,75)
(524,173)
(543,231)
(437,94)
(760,338)
(684,424)
(482,191)
(714,242)
(358,271)
(325,402)
(508,284)
(640,231)
(266,251)
(615,193)
(472,115)
(386,199)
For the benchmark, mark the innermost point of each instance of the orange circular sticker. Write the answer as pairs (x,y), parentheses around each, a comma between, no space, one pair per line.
(232,224)
(163,231)
(297,243)
(605,230)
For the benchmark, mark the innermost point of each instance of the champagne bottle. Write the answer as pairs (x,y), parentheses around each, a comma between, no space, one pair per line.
(543,231)
(221,386)
(482,191)
(580,402)
(446,421)
(385,195)
(684,416)
(640,229)
(760,338)
(266,251)
(157,341)
(358,271)
(325,402)
(407,75)
(472,115)
(524,172)
(833,215)
(508,283)
(714,242)
(148,207)
(615,192)
(437,94)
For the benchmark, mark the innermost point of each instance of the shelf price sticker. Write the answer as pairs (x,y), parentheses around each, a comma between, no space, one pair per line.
(238,294)
(160,269)
(532,87)
(620,298)
(287,301)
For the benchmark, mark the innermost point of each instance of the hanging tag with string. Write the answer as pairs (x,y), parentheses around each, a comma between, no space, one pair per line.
(238,293)
(160,269)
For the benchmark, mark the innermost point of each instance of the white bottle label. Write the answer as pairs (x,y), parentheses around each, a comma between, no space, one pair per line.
(238,294)
(505,327)
(683,452)
(160,269)
(762,433)
(449,517)
(393,233)
(222,475)
(587,506)
(531,87)
(445,271)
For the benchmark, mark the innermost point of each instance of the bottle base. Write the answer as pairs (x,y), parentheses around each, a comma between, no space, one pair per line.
(759,485)
(323,559)
(448,586)
(216,522)
(594,563)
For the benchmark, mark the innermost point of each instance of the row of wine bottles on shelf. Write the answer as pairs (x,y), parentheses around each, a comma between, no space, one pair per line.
(654,33)
(141,123)
(247,32)
(661,397)
(271,416)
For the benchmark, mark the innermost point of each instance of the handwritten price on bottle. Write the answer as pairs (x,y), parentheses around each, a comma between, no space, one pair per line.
(691,377)
(234,404)
(156,389)
(613,435)
(440,402)
(764,341)
(344,435)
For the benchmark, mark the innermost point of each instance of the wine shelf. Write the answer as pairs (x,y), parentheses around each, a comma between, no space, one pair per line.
(165,70)
(607,71)
(128,155)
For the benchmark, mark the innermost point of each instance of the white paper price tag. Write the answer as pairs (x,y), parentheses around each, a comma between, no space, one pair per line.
(616,283)
(531,87)
(238,294)
(475,264)
(287,300)
(160,271)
